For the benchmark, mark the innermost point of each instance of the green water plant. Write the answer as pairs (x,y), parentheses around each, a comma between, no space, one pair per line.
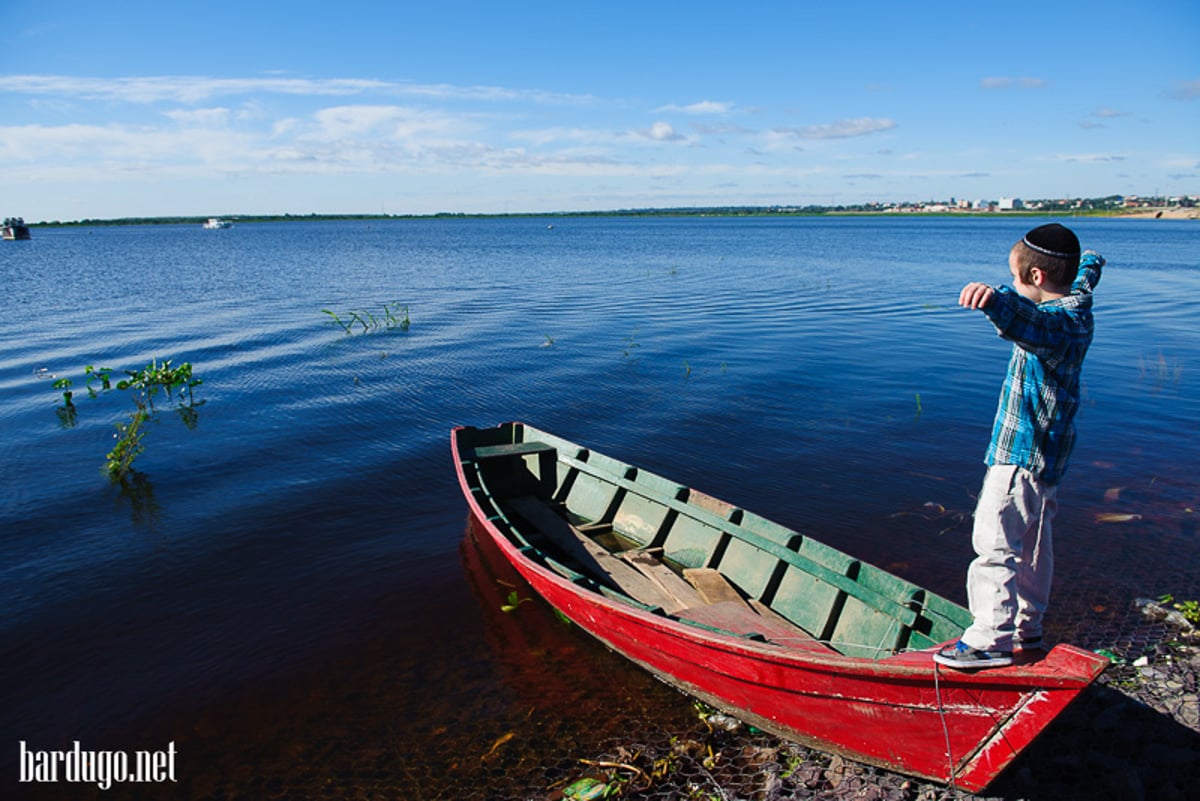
(1162,370)
(513,601)
(393,316)
(631,344)
(1189,609)
(156,378)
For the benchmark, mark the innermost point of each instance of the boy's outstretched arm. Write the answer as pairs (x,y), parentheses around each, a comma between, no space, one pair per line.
(1090,267)
(976,295)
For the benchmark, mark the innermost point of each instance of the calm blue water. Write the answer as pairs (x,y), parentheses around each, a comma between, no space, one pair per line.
(293,564)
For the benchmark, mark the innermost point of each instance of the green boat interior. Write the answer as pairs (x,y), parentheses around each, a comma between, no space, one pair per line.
(644,540)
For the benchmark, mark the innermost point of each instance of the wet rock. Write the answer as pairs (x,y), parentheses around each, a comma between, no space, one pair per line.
(810,775)
(1156,611)
(722,722)
(859,790)
(772,786)
(836,773)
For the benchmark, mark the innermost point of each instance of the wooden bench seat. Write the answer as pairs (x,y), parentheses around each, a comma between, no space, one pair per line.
(593,557)
(512,449)
(725,608)
(671,582)
(737,617)
(701,595)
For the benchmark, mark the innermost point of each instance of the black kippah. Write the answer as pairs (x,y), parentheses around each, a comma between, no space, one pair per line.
(1054,240)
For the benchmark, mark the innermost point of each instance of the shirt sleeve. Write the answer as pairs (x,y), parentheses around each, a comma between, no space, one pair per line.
(1045,330)
(1021,321)
(1090,267)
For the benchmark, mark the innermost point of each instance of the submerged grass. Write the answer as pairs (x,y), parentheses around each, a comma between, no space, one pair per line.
(393,316)
(1162,370)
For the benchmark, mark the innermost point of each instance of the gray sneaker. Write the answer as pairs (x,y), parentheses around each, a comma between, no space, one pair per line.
(964,657)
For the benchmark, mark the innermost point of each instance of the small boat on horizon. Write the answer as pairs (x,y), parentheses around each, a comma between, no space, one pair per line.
(15,228)
(217,222)
(757,620)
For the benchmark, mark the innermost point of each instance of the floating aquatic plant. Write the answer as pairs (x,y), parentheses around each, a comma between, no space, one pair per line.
(119,461)
(630,344)
(513,601)
(178,383)
(393,316)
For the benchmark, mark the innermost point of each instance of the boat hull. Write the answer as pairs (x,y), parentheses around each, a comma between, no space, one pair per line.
(902,712)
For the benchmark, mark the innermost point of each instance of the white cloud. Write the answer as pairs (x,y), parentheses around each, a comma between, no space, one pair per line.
(203,118)
(546,136)
(1186,90)
(663,132)
(251,110)
(841,129)
(119,149)
(1175,162)
(720,129)
(196,89)
(998,82)
(181,89)
(1089,158)
(343,122)
(702,107)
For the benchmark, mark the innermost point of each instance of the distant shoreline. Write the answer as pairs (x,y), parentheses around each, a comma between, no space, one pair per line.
(1165,213)
(1173,213)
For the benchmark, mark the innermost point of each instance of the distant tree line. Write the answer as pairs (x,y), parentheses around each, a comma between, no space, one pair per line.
(1102,205)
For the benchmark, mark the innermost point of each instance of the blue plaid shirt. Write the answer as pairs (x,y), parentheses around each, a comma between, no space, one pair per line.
(1034,426)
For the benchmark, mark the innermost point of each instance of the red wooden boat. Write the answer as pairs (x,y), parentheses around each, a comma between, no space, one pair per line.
(770,626)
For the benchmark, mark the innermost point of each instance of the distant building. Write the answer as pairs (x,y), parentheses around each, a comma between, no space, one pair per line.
(1011,204)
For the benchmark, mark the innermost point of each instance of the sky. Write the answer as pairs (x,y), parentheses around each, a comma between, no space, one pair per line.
(131,109)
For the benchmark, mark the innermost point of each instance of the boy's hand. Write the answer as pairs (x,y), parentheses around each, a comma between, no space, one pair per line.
(976,296)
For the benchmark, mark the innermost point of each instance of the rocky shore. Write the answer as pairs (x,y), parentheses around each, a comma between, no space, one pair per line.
(1133,736)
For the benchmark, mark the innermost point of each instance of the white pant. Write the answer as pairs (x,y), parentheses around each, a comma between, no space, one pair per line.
(1008,584)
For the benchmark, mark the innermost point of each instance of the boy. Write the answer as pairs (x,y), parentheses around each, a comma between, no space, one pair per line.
(1048,318)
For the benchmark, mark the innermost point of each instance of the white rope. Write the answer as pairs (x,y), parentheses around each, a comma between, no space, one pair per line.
(937,692)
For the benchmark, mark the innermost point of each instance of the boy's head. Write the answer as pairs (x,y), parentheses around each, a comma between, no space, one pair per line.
(1047,256)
